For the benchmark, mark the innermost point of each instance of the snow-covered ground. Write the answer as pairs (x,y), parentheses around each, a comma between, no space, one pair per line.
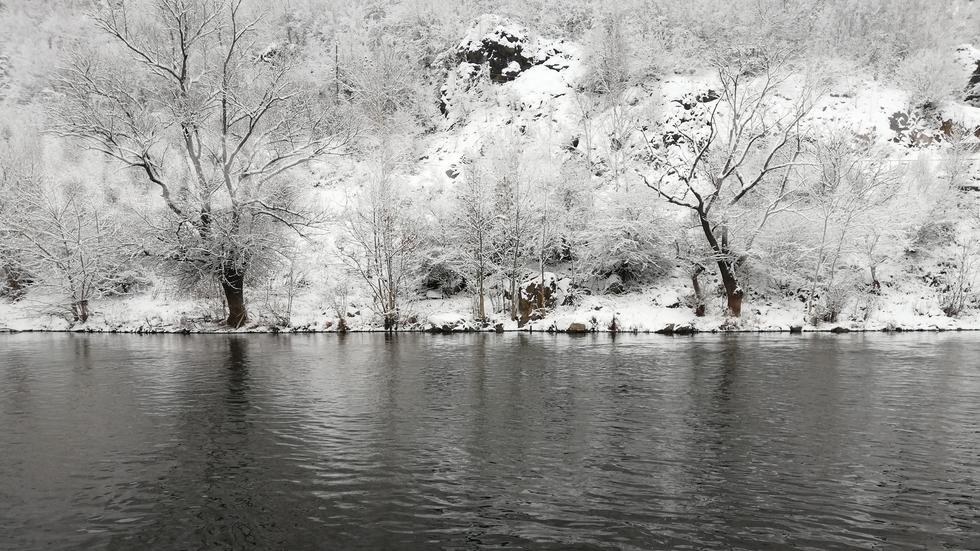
(658,309)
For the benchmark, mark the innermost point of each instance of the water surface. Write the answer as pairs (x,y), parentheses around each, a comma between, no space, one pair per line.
(489,441)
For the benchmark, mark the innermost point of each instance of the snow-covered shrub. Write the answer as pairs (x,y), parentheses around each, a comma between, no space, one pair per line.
(932,233)
(65,233)
(833,304)
(126,282)
(957,279)
(14,281)
(632,250)
(439,274)
(930,76)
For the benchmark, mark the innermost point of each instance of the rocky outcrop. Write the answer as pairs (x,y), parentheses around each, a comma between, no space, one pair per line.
(499,51)
(502,47)
(973,87)
(969,57)
(537,297)
(919,129)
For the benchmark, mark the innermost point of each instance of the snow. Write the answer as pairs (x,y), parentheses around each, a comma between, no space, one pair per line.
(643,312)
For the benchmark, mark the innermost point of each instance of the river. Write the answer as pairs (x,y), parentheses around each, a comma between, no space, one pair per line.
(481,441)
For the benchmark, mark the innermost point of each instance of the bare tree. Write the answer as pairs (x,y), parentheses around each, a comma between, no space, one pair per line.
(608,94)
(515,205)
(850,181)
(384,237)
(383,243)
(748,141)
(62,232)
(186,98)
(472,232)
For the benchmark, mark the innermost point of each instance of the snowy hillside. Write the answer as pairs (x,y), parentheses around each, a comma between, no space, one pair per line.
(551,187)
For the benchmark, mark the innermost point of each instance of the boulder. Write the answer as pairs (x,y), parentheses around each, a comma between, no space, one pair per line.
(677,329)
(554,290)
(449,322)
(685,330)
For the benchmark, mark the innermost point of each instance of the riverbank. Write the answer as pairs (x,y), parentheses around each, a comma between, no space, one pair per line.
(659,310)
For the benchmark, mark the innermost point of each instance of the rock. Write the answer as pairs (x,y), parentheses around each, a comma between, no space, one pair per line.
(839,330)
(674,329)
(685,330)
(613,285)
(448,322)
(577,328)
(503,48)
(556,291)
(969,58)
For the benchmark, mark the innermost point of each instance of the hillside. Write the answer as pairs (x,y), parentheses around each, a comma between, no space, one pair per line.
(751,187)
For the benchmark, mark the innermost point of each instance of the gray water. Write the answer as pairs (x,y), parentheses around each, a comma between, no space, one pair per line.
(489,441)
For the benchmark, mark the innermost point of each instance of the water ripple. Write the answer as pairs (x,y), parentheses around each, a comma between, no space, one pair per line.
(488,441)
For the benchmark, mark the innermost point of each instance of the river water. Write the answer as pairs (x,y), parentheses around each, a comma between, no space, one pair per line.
(487,441)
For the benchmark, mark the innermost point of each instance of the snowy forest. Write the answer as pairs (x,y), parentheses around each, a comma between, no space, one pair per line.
(564,165)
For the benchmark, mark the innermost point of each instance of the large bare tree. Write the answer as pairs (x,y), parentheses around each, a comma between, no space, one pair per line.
(752,137)
(193,97)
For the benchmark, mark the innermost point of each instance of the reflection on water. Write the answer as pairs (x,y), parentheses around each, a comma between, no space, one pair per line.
(484,441)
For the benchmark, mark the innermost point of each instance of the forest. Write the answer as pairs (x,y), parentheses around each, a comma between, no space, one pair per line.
(194,165)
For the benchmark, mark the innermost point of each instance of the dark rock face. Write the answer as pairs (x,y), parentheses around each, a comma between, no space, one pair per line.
(497,50)
(503,53)
(973,88)
(502,50)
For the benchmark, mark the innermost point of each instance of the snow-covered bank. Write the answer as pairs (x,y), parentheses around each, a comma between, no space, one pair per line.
(657,310)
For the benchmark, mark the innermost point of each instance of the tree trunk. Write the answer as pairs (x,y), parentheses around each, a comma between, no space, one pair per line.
(541,288)
(483,312)
(816,269)
(79,310)
(233,284)
(699,304)
(513,297)
(733,291)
